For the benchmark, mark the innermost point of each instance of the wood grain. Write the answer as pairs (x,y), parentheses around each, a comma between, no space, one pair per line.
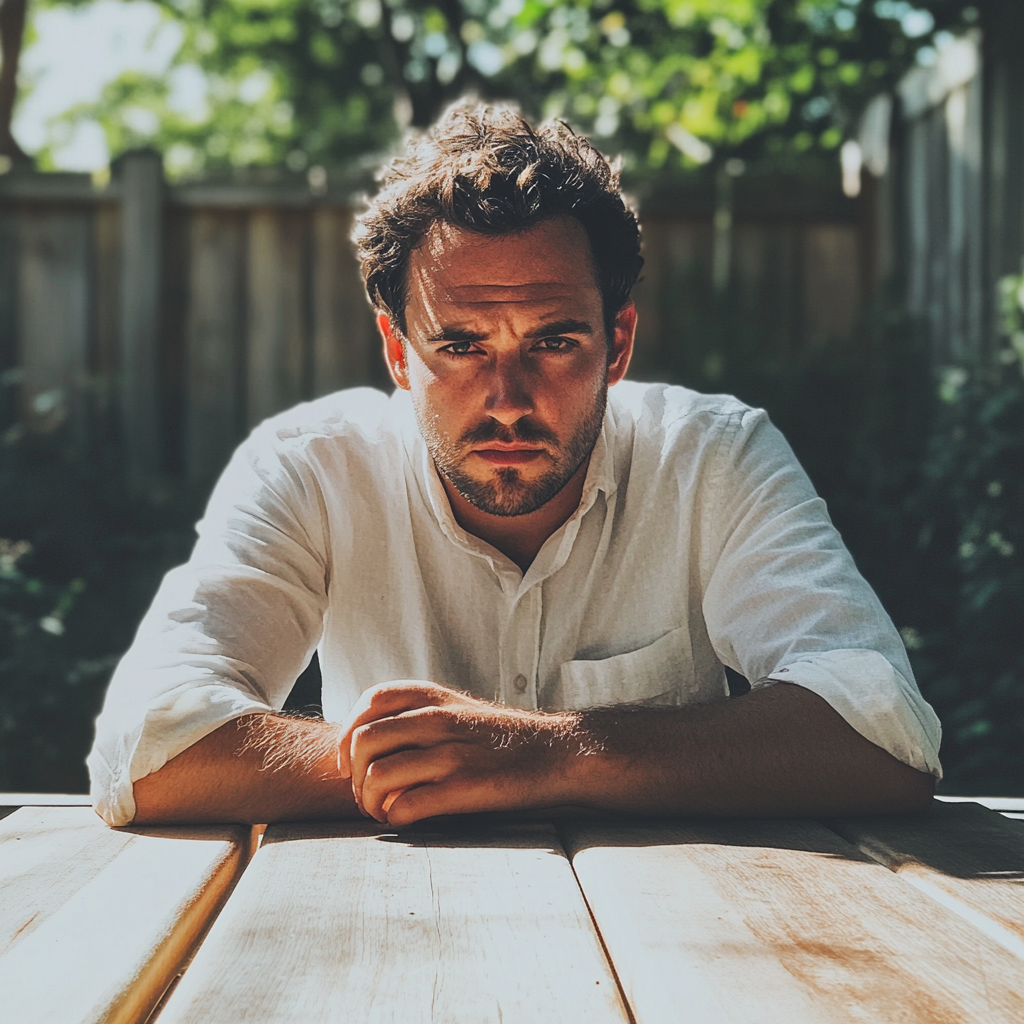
(349,923)
(968,857)
(95,922)
(780,923)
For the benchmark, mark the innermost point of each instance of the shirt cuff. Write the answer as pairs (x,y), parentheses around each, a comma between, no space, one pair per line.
(122,756)
(874,698)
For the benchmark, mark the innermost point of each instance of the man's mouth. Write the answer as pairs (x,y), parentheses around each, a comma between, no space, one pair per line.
(508,456)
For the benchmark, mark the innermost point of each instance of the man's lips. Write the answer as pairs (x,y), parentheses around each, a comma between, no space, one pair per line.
(499,456)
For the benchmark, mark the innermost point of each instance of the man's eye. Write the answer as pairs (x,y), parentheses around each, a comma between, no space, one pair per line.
(458,348)
(555,344)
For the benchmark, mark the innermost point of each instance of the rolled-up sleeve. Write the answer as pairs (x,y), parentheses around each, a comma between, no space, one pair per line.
(783,599)
(227,633)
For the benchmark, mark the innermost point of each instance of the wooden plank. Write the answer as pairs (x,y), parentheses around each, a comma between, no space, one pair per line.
(347,922)
(9,372)
(53,314)
(276,349)
(955,110)
(779,298)
(969,858)
(831,282)
(55,187)
(45,800)
(1008,806)
(915,203)
(106,359)
(780,923)
(650,330)
(96,922)
(937,308)
(213,395)
(978,300)
(142,181)
(346,347)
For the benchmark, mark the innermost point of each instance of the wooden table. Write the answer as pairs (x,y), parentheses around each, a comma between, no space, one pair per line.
(903,919)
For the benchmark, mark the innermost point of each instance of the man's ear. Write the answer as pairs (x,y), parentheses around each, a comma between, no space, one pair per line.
(394,351)
(622,343)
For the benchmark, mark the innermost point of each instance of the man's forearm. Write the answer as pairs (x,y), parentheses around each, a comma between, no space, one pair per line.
(256,769)
(780,750)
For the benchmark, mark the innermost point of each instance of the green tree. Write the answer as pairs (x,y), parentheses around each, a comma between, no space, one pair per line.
(667,82)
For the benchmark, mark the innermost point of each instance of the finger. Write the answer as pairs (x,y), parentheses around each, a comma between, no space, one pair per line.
(417,729)
(390,776)
(383,701)
(458,794)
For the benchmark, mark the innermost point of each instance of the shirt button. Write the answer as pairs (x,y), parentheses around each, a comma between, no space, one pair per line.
(520,683)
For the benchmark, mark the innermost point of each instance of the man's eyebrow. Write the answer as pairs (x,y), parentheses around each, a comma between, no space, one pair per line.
(450,334)
(561,327)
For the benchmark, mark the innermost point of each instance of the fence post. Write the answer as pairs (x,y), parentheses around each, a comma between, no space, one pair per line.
(141,186)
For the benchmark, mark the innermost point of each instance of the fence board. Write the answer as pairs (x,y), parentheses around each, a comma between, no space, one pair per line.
(831,295)
(141,245)
(345,347)
(8,317)
(260,303)
(214,330)
(976,301)
(916,189)
(769,272)
(276,345)
(105,358)
(53,307)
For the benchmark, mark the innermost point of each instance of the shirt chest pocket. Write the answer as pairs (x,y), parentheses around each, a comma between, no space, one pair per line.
(660,673)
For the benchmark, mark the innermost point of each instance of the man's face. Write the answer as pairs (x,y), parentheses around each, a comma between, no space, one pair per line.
(507,359)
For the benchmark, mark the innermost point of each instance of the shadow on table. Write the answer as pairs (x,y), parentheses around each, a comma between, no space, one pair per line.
(964,840)
(576,832)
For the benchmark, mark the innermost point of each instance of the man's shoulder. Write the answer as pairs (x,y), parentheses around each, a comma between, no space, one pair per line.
(659,412)
(360,414)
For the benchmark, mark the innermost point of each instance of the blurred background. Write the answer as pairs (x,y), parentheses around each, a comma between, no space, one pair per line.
(832,201)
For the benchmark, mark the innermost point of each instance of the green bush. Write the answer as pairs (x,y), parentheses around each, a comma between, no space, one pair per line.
(970,507)
(969,512)
(80,559)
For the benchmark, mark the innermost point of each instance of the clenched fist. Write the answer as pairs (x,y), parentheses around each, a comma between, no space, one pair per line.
(415,749)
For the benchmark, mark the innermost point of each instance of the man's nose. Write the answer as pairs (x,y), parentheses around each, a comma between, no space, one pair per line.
(509,395)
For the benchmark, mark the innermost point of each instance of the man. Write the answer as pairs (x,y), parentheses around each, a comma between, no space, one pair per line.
(523,586)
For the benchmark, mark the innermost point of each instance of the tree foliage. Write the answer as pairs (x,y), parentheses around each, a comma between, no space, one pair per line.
(666,82)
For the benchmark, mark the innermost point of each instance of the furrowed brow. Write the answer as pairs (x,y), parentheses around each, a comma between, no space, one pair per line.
(450,334)
(561,327)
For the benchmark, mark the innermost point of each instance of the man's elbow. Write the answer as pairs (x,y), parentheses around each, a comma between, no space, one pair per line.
(910,791)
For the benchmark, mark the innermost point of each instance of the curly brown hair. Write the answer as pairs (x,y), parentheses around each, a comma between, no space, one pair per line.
(486,169)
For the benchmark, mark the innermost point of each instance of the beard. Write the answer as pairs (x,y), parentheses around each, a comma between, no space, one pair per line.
(505,492)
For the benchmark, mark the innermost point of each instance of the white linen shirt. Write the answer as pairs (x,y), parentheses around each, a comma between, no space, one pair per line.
(698,542)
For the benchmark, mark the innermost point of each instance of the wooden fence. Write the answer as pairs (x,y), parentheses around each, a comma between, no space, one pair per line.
(170,320)
(954,210)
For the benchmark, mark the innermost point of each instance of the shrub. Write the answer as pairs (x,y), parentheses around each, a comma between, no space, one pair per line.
(80,559)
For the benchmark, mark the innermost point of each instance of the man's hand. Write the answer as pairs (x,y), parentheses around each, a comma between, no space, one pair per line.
(415,750)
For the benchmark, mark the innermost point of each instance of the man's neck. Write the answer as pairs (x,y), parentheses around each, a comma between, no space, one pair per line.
(519,538)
